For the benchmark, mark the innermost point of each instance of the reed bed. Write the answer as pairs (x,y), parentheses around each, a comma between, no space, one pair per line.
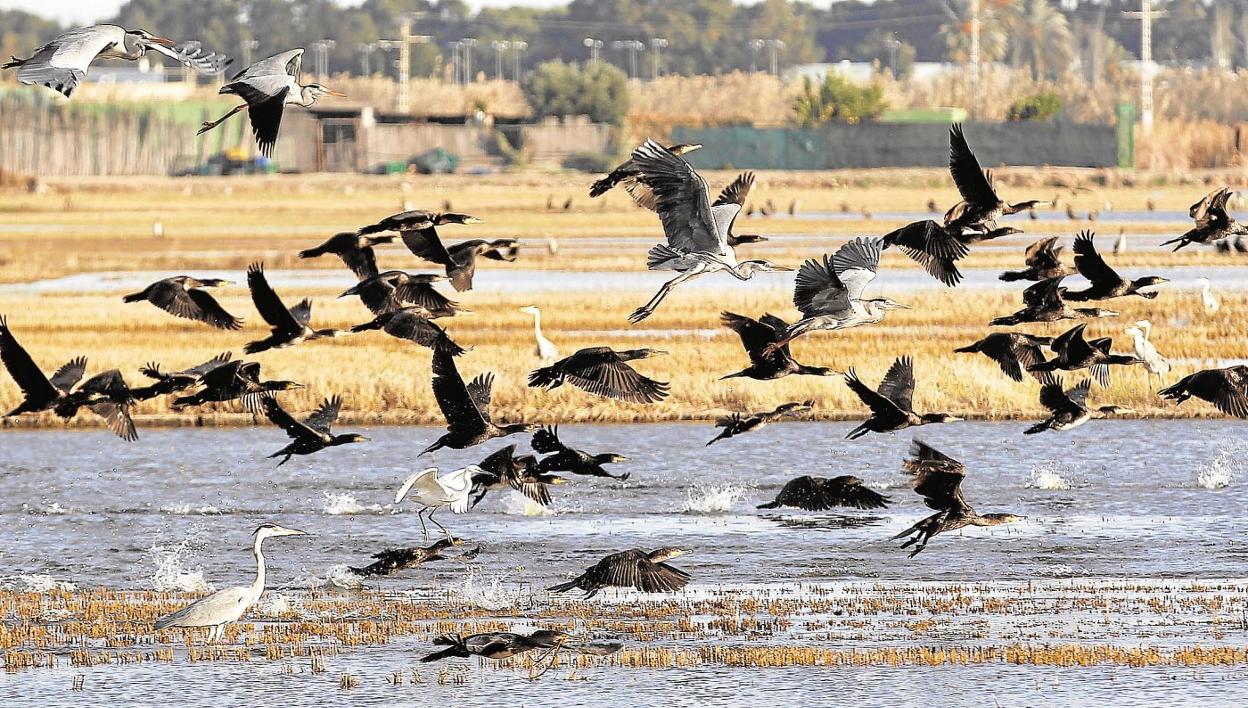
(1176,623)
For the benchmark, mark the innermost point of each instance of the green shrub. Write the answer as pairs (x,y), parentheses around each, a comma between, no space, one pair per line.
(556,88)
(838,100)
(1038,106)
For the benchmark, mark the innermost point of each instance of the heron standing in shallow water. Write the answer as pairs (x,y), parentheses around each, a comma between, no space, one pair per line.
(228,605)
(267,87)
(697,233)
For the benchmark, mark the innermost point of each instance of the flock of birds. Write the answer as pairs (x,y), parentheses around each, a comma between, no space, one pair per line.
(830,293)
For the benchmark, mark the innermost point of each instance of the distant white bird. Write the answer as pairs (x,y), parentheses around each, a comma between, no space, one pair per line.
(1120,246)
(1207,298)
(228,605)
(546,349)
(1154,362)
(433,492)
(63,62)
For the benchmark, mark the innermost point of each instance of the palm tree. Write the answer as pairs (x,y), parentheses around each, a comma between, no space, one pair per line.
(1040,35)
(957,30)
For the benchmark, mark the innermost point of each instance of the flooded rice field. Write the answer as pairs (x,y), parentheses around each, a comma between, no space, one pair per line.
(1124,576)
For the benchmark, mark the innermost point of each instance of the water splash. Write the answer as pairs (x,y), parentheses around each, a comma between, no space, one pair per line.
(171,572)
(488,593)
(1221,470)
(1047,478)
(336,576)
(517,504)
(36,582)
(713,499)
(345,504)
(53,509)
(191,510)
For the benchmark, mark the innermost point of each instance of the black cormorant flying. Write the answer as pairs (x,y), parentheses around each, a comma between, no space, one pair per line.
(821,494)
(1068,408)
(288,325)
(561,458)
(638,569)
(980,206)
(1213,222)
(466,407)
(39,392)
(1106,283)
(356,251)
(604,372)
(175,381)
(505,469)
(410,323)
(181,296)
(392,560)
(756,336)
(1226,389)
(1014,352)
(1074,353)
(418,229)
(1043,261)
(234,380)
(738,424)
(938,479)
(311,435)
(1046,302)
(386,292)
(892,405)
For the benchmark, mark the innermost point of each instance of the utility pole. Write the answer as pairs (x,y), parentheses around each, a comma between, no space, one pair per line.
(500,46)
(975,55)
(517,48)
(1146,15)
(657,44)
(404,45)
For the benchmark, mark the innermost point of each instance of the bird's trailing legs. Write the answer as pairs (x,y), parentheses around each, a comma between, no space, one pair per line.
(209,125)
(648,309)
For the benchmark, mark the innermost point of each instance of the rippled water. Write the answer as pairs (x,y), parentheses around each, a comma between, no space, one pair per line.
(1145,500)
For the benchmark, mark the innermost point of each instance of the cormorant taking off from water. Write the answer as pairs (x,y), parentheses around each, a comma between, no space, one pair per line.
(108,396)
(386,292)
(228,605)
(1043,261)
(356,251)
(175,381)
(604,372)
(1014,352)
(738,424)
(392,560)
(829,294)
(938,479)
(821,494)
(495,645)
(1069,409)
(180,296)
(466,407)
(64,61)
(411,323)
(1074,353)
(696,231)
(289,325)
(232,380)
(1106,283)
(1046,302)
(638,569)
(39,392)
(756,336)
(1226,389)
(267,87)
(1213,222)
(892,405)
(980,206)
(628,173)
(506,470)
(311,435)
(561,458)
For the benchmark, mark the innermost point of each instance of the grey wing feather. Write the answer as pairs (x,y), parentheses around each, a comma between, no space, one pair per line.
(856,263)
(280,64)
(324,417)
(898,384)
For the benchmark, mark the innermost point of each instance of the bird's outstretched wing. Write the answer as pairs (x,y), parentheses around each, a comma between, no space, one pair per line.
(1090,264)
(737,191)
(1043,254)
(971,180)
(192,55)
(425,243)
(29,377)
(937,477)
(63,62)
(1055,398)
(755,334)
(898,384)
(879,404)
(455,399)
(268,303)
(681,200)
(279,417)
(282,64)
(818,290)
(69,374)
(322,418)
(600,371)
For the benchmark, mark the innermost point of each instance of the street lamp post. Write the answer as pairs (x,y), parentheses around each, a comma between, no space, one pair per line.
(633,46)
(594,45)
(756,45)
(468,43)
(657,44)
(321,49)
(500,46)
(366,54)
(517,49)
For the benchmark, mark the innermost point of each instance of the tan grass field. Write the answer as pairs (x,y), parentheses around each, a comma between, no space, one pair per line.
(86,225)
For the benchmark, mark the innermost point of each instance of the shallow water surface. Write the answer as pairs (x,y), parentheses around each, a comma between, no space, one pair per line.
(1152,502)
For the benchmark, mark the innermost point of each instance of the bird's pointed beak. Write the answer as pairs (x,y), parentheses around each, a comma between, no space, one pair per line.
(474,220)
(332,92)
(784,269)
(162,41)
(558,480)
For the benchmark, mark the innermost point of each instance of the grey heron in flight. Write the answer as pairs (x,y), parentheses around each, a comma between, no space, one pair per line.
(267,87)
(228,605)
(63,62)
(696,231)
(829,293)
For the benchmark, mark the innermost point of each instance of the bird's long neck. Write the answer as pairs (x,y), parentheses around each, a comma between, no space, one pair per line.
(537,325)
(257,585)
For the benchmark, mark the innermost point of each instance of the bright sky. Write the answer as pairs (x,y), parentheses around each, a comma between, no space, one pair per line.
(88,11)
